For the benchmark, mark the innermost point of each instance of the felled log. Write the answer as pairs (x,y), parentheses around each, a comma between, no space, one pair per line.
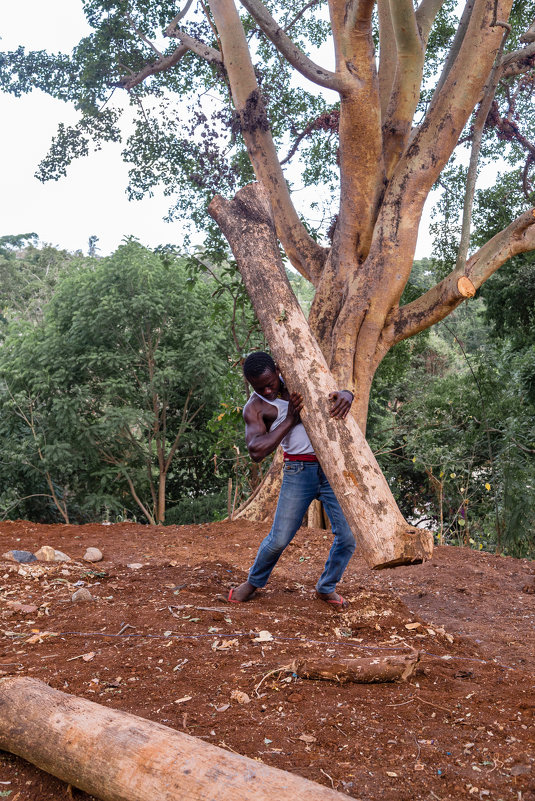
(363,670)
(117,756)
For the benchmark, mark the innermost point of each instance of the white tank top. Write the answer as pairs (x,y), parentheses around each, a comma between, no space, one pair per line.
(296,440)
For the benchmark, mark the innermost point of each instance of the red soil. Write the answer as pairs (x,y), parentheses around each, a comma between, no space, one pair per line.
(461,727)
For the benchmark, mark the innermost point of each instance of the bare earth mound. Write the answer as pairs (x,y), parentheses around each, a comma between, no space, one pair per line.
(158,639)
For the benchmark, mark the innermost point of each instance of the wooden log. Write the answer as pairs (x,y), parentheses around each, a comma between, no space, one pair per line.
(385,539)
(117,756)
(363,670)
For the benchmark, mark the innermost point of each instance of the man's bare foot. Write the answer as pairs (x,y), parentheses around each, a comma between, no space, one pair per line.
(242,593)
(332,598)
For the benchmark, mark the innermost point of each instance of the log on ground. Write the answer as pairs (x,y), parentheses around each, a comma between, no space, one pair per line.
(117,756)
(363,670)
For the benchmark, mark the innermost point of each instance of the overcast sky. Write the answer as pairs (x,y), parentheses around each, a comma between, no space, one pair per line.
(91,200)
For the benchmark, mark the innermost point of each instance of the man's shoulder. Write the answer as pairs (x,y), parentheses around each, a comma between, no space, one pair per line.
(253,405)
(257,405)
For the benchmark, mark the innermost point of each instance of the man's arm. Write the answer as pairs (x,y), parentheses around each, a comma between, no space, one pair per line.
(261,442)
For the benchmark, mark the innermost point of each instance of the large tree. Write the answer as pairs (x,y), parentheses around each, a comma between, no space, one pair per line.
(379,125)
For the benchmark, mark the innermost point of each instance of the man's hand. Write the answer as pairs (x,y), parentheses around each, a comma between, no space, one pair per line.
(294,407)
(340,403)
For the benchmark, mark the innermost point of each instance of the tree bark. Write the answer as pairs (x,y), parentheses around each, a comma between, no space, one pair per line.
(384,537)
(117,756)
(363,670)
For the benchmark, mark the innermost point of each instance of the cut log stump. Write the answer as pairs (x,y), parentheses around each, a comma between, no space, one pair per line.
(363,670)
(117,756)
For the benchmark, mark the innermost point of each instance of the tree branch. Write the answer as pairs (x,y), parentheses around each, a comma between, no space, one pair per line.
(479,125)
(425,16)
(387,54)
(209,54)
(529,35)
(360,139)
(137,499)
(432,143)
(407,82)
(303,252)
(181,14)
(300,14)
(518,62)
(438,302)
(162,65)
(289,50)
(456,44)
(142,36)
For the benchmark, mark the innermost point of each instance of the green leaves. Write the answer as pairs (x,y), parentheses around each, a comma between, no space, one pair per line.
(112,390)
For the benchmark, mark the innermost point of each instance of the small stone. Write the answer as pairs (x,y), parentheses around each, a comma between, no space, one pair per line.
(135,566)
(82,594)
(59,556)
(19,556)
(240,697)
(17,606)
(46,554)
(93,555)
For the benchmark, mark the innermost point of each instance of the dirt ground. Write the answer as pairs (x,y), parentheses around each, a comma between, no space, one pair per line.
(159,640)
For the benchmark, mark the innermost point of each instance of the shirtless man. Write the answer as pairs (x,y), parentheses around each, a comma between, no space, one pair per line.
(271,418)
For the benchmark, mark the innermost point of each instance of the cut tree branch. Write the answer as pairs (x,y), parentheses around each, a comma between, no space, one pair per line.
(293,54)
(438,302)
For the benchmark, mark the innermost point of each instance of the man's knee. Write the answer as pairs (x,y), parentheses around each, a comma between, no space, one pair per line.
(346,538)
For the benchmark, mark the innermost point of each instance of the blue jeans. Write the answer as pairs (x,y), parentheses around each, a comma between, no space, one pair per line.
(303,482)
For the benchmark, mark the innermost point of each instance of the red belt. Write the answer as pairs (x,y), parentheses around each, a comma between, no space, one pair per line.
(300,457)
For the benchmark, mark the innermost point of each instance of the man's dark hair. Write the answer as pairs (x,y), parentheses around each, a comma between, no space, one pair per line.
(256,364)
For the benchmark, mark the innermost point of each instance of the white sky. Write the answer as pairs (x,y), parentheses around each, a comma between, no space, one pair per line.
(91,200)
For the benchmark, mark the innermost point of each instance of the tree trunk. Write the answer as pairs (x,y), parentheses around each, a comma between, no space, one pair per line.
(117,756)
(384,538)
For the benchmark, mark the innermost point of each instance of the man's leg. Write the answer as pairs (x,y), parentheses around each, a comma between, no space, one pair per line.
(299,488)
(342,548)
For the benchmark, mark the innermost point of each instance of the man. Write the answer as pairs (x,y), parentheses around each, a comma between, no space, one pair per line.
(271,418)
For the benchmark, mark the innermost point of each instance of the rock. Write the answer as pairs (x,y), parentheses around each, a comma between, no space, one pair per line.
(19,556)
(81,595)
(46,554)
(240,697)
(135,566)
(59,556)
(93,555)
(17,606)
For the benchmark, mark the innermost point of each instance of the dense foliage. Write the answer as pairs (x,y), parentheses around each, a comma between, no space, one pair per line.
(107,396)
